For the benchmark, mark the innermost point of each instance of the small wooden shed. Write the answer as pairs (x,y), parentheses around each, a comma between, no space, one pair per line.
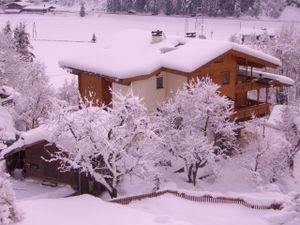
(30,154)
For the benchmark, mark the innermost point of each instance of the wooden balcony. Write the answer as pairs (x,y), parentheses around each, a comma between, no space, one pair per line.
(249,86)
(244,113)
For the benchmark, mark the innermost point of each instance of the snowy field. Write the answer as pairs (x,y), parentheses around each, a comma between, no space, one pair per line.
(52,28)
(167,209)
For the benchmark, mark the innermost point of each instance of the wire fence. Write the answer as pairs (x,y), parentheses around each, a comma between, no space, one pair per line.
(203,198)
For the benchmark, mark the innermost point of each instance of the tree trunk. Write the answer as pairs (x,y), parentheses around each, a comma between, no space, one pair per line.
(291,167)
(113,193)
(195,171)
(190,170)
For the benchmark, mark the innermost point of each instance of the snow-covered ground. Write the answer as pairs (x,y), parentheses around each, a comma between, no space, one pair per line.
(166,209)
(57,38)
(72,27)
(169,207)
(34,189)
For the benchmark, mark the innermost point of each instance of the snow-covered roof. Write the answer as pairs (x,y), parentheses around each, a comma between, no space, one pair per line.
(130,53)
(272,76)
(7,94)
(13,10)
(37,7)
(28,138)
(19,3)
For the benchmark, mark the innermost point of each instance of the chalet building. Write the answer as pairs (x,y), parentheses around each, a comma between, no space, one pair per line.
(15,7)
(38,9)
(26,7)
(156,66)
(28,155)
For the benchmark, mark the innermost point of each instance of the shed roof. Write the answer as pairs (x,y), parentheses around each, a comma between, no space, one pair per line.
(27,139)
(22,4)
(38,7)
(130,53)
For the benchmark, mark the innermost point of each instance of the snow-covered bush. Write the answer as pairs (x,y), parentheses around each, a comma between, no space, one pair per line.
(290,125)
(194,125)
(265,154)
(9,213)
(105,143)
(69,92)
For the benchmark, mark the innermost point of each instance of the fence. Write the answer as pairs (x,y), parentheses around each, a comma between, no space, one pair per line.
(203,198)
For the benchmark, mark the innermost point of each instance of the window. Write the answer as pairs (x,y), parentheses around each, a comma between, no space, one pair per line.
(159,82)
(225,78)
(33,166)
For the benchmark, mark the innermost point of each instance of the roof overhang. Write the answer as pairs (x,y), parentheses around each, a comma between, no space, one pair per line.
(242,58)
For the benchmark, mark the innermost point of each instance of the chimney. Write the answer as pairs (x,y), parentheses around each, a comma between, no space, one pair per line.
(157,36)
(190,34)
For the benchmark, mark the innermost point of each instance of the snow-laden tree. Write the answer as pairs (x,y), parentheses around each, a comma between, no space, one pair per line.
(34,102)
(28,78)
(22,42)
(7,29)
(7,129)
(105,143)
(82,10)
(69,92)
(9,214)
(290,125)
(194,125)
(265,154)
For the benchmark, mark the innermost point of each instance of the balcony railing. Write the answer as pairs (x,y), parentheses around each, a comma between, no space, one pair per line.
(248,86)
(245,113)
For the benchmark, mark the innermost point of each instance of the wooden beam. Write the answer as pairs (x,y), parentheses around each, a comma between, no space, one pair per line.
(253,59)
(257,100)
(267,94)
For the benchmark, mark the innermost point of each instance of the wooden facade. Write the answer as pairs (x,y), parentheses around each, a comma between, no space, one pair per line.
(223,70)
(94,89)
(31,160)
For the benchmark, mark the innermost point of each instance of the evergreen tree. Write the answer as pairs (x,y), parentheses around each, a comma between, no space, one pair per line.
(7,29)
(22,42)
(237,8)
(256,8)
(154,7)
(168,7)
(82,10)
(140,5)
(94,38)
